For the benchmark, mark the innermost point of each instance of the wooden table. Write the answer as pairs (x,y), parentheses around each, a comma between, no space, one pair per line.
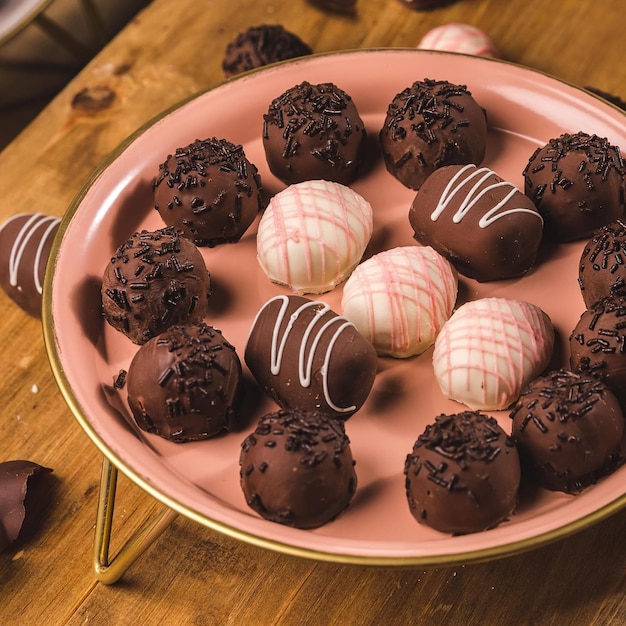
(192,575)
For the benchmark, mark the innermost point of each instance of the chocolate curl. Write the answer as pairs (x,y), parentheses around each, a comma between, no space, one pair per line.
(15,479)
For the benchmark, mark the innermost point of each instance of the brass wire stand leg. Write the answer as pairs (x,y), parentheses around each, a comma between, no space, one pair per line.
(110,570)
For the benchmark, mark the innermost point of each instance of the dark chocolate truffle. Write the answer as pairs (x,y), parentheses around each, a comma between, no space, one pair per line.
(602,269)
(262,45)
(16,478)
(577,184)
(154,280)
(568,429)
(305,356)
(184,384)
(297,468)
(463,475)
(314,132)
(481,223)
(25,243)
(429,125)
(208,191)
(598,344)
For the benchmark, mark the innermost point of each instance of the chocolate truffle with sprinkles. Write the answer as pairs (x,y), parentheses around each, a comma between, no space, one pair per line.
(184,385)
(568,428)
(428,125)
(598,344)
(297,469)
(314,132)
(155,279)
(209,191)
(463,474)
(262,45)
(577,184)
(602,268)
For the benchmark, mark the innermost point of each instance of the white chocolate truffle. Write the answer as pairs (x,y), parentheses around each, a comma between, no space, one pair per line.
(313,234)
(399,299)
(456,37)
(490,349)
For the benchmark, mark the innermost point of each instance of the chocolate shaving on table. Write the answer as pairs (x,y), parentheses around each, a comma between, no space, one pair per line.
(20,499)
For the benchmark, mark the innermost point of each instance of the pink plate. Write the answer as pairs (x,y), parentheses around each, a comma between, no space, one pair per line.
(201,480)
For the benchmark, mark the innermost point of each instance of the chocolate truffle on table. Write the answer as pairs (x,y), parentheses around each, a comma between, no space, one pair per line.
(428,125)
(598,343)
(481,223)
(209,191)
(262,45)
(154,280)
(400,298)
(602,268)
(305,356)
(314,131)
(568,429)
(577,184)
(313,234)
(426,5)
(462,38)
(336,6)
(463,474)
(490,349)
(25,243)
(184,385)
(297,468)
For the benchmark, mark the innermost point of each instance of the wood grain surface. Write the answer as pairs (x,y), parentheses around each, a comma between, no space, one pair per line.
(193,575)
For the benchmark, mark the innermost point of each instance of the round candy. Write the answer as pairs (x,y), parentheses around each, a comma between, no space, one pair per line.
(208,191)
(455,37)
(429,125)
(25,243)
(313,234)
(568,428)
(314,131)
(155,280)
(262,45)
(297,468)
(463,474)
(489,350)
(183,385)
(400,298)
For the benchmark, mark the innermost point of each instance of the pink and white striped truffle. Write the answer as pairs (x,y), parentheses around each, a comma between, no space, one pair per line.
(25,244)
(456,37)
(490,349)
(399,299)
(313,234)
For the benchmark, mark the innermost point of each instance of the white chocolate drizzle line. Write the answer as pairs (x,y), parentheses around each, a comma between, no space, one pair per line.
(21,242)
(305,361)
(475,194)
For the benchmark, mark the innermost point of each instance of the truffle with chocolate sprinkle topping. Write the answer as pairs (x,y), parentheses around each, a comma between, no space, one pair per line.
(568,428)
(297,469)
(463,474)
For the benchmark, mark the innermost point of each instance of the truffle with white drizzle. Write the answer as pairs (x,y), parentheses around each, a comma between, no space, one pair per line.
(481,223)
(25,244)
(305,356)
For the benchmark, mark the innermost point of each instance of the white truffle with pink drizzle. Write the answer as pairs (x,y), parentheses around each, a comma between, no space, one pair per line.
(490,349)
(480,222)
(400,298)
(313,234)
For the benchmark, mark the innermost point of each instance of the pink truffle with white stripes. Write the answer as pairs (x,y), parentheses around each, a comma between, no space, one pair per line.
(313,234)
(399,299)
(490,349)
(463,38)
